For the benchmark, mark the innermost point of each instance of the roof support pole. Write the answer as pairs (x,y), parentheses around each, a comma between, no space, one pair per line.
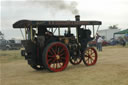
(31,32)
(59,31)
(22,33)
(77,35)
(52,30)
(55,30)
(25,33)
(85,27)
(69,30)
(93,31)
(98,28)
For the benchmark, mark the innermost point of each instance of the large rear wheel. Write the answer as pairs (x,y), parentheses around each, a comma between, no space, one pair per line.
(56,57)
(90,56)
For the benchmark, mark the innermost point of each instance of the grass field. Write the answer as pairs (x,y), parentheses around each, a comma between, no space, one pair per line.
(111,69)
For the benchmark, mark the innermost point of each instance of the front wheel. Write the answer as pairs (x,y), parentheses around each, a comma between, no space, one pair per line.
(90,56)
(75,60)
(56,57)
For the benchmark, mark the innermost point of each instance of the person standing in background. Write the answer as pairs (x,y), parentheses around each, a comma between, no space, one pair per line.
(99,43)
(123,42)
(126,38)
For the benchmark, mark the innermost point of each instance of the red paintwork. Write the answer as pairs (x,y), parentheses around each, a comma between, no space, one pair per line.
(94,43)
(91,56)
(55,64)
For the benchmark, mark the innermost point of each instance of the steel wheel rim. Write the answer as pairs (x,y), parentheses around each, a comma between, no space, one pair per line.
(90,56)
(57,57)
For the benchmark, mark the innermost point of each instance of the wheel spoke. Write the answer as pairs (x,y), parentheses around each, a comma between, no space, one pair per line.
(61,54)
(92,52)
(75,60)
(93,55)
(59,64)
(57,57)
(91,60)
(53,51)
(49,59)
(50,52)
(87,59)
(54,61)
(51,56)
(61,51)
(90,57)
(51,65)
(78,60)
(56,48)
(62,58)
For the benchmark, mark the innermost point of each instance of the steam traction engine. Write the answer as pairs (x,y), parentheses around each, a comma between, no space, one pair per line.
(51,44)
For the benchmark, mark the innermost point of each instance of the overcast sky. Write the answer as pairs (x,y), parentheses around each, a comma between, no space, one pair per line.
(110,12)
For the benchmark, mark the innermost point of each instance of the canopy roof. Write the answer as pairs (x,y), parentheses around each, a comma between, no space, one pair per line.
(122,32)
(34,23)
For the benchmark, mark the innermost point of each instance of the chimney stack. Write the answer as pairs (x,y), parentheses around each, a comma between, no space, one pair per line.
(77,17)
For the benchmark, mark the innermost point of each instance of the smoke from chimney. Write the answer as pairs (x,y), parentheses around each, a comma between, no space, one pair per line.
(57,4)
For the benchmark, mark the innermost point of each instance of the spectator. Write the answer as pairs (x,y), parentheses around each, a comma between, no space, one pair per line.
(123,42)
(99,43)
(126,38)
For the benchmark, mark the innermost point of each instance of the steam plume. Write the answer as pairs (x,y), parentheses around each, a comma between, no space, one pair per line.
(57,4)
